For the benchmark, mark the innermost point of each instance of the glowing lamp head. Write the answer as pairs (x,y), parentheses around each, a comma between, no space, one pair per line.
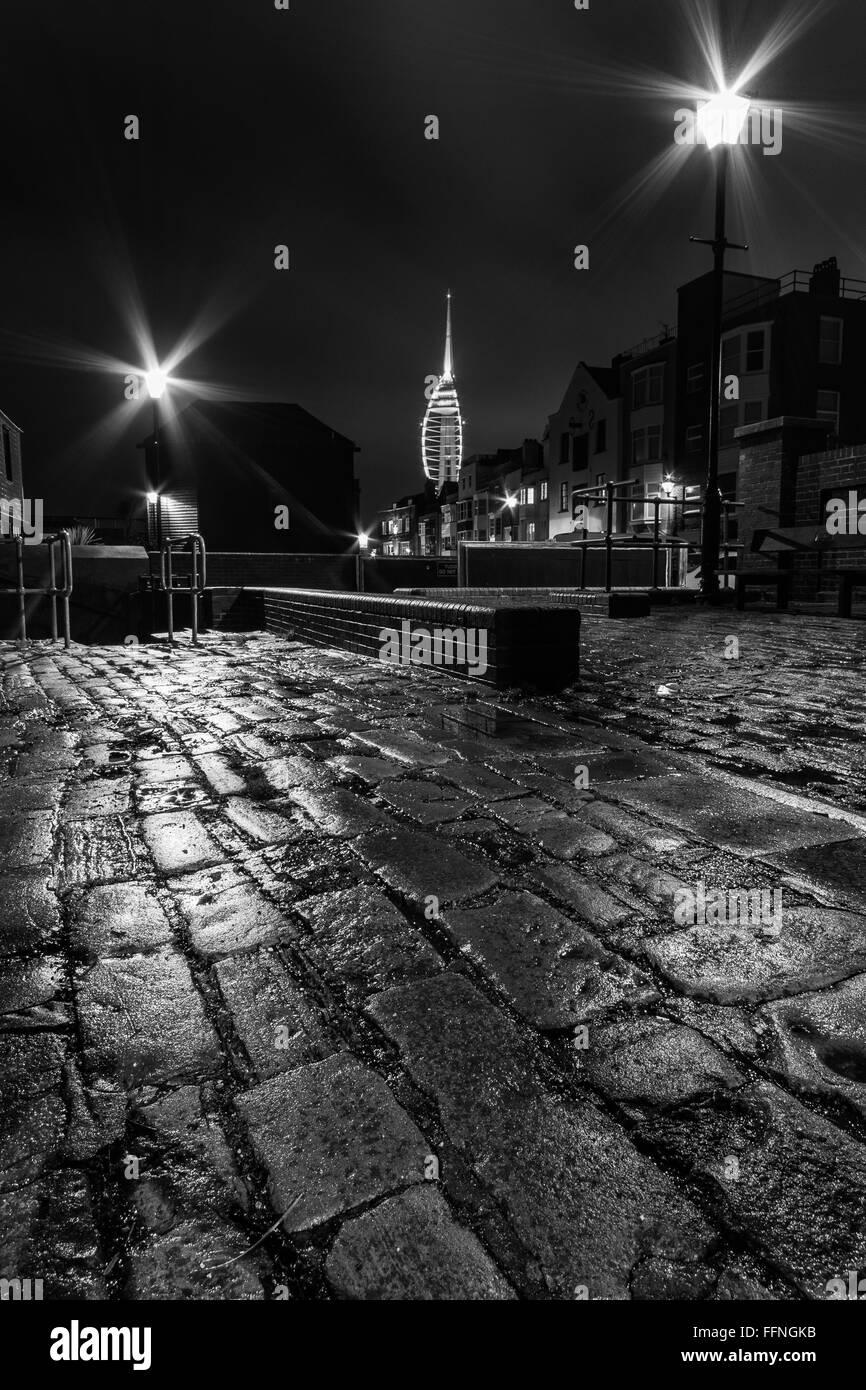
(511,501)
(363,540)
(152,499)
(156,382)
(721,120)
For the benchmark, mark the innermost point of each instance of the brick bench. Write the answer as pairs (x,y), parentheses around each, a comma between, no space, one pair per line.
(849,580)
(522,645)
(765,579)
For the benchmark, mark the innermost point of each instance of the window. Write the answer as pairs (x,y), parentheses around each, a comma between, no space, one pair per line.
(753,411)
(830,342)
(530,497)
(647,385)
(580,456)
(601,480)
(564,448)
(563,497)
(695,377)
(731,355)
(694,439)
(755,341)
(463,511)
(828,408)
(729,420)
(7,453)
(601,437)
(530,531)
(646,444)
(543,495)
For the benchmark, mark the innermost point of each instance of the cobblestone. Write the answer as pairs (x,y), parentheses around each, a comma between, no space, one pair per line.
(306,938)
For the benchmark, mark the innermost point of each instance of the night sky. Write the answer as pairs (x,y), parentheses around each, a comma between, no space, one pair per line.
(306,127)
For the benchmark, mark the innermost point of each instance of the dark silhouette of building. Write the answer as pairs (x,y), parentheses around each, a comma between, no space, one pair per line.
(254,476)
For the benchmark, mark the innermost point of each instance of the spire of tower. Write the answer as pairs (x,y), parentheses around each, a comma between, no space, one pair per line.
(449,357)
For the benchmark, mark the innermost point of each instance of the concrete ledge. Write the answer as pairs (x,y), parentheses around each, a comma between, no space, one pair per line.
(503,644)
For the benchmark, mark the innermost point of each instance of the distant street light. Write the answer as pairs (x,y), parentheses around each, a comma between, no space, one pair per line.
(720,122)
(363,540)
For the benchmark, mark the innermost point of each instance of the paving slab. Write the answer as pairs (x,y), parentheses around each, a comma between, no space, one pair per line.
(225,912)
(584,1203)
(421,866)
(332,1137)
(724,964)
(142,1020)
(279,1028)
(554,972)
(410,1247)
(179,842)
(730,815)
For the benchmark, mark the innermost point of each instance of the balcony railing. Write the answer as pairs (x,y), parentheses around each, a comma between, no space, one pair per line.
(796,282)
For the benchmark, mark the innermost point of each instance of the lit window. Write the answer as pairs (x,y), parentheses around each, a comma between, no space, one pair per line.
(530,531)
(543,497)
(563,497)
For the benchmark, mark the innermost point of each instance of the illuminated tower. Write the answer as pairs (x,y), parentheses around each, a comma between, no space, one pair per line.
(442,430)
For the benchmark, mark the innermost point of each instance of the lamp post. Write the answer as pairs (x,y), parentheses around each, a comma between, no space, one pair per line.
(156,382)
(720,123)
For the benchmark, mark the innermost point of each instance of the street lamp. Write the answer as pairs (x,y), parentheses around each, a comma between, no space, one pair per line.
(720,123)
(156,382)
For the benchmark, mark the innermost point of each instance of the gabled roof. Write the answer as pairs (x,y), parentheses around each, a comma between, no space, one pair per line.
(605,377)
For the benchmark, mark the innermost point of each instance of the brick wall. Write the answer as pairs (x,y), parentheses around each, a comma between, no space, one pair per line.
(781,479)
(524,646)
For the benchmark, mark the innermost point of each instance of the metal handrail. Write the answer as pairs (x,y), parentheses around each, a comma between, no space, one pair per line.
(194,542)
(53,591)
(606,494)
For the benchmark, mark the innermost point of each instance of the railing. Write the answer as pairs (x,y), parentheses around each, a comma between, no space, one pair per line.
(53,592)
(606,495)
(197,577)
(796,282)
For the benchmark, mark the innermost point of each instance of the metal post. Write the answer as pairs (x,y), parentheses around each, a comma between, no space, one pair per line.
(67,584)
(52,580)
(22,606)
(656,501)
(157,473)
(711,529)
(168,585)
(193,588)
(608,540)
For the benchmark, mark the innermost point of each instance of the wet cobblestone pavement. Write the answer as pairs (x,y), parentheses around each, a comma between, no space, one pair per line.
(322,979)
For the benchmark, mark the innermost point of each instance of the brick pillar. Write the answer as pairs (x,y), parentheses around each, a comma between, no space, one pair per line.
(767,480)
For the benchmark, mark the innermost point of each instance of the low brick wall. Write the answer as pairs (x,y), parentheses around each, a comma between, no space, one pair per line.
(517,645)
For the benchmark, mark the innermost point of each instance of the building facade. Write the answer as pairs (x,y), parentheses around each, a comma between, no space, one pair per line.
(791,347)
(255,477)
(11,476)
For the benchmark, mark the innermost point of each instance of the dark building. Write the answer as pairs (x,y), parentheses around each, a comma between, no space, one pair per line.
(254,477)
(797,346)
